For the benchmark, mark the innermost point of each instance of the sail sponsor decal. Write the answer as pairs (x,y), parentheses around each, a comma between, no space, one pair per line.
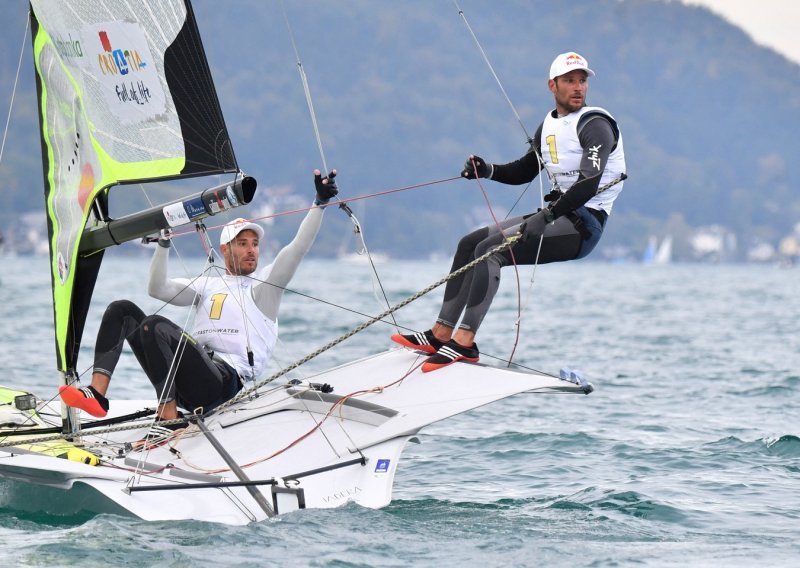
(69,48)
(120,60)
(382,466)
(223,200)
(177,214)
(194,207)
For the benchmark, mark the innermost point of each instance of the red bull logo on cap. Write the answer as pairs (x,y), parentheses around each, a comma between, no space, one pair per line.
(575,59)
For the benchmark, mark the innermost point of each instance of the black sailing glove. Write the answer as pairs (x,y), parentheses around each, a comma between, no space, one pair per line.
(535,224)
(484,170)
(326,187)
(554,195)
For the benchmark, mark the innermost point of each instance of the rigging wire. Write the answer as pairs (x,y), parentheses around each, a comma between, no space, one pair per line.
(491,69)
(306,90)
(357,228)
(528,137)
(357,198)
(16,82)
(238,294)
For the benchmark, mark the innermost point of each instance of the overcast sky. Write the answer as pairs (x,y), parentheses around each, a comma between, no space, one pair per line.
(773,23)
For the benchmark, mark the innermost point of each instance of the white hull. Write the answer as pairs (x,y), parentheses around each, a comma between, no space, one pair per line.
(367,431)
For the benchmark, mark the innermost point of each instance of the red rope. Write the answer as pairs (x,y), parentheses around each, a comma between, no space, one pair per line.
(513,259)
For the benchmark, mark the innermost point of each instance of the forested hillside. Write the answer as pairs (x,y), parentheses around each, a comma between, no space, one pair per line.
(403,95)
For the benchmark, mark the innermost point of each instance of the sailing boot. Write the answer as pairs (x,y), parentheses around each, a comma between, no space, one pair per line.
(448,354)
(425,341)
(160,434)
(86,399)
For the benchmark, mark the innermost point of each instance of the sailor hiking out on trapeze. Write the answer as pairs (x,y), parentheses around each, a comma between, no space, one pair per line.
(580,148)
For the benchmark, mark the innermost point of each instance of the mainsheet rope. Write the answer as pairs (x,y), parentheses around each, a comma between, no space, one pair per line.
(249,392)
(513,260)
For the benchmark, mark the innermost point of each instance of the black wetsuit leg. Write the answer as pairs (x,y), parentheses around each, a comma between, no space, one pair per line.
(561,242)
(456,291)
(197,381)
(177,366)
(120,320)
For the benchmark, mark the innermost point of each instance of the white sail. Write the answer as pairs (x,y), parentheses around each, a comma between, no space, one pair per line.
(664,252)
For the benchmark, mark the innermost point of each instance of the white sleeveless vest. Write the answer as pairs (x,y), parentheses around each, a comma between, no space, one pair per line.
(227,320)
(561,152)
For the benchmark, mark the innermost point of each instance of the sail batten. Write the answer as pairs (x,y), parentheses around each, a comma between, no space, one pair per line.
(125,94)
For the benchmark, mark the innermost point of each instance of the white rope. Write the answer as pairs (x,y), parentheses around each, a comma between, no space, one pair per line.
(16,82)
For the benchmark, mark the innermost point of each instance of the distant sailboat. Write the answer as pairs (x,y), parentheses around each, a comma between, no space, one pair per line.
(656,253)
(664,252)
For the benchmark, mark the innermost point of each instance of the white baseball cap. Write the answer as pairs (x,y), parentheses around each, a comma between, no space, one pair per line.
(232,230)
(566,62)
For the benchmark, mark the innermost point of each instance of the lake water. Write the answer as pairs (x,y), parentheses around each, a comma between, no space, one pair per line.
(687,453)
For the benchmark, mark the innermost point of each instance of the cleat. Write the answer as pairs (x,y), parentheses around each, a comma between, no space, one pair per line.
(86,399)
(425,342)
(448,354)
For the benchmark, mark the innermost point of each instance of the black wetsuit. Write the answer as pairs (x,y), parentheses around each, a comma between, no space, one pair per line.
(199,380)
